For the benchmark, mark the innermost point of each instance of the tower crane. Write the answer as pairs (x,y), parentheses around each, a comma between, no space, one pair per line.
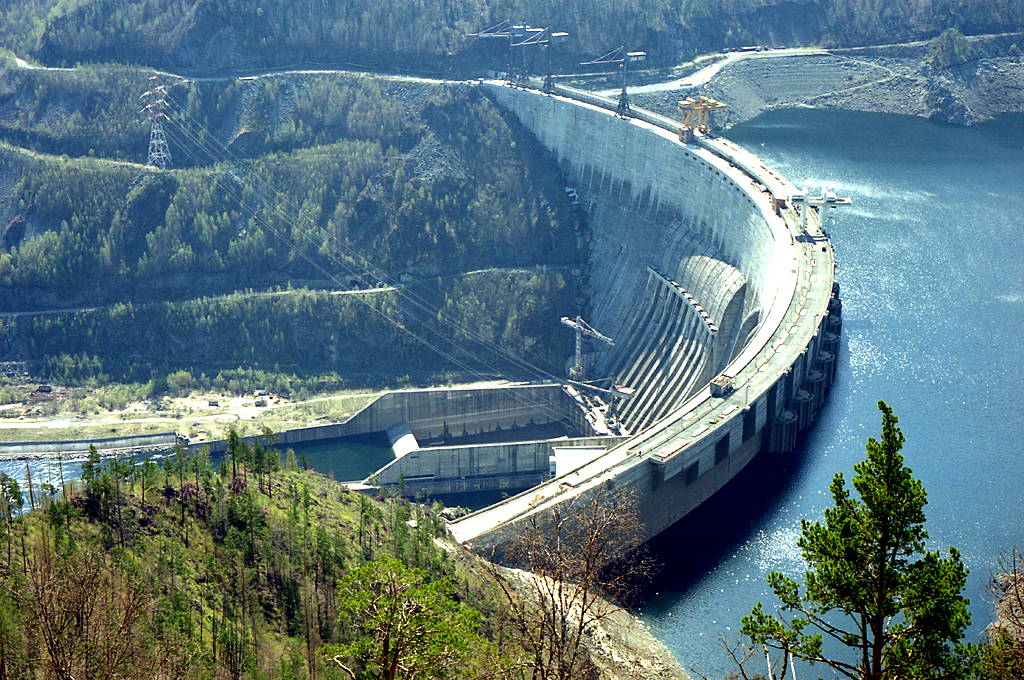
(620,56)
(582,328)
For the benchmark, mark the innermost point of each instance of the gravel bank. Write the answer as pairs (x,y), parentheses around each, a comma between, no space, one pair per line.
(885,80)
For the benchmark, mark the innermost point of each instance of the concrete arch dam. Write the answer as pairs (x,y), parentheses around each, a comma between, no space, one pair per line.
(719,292)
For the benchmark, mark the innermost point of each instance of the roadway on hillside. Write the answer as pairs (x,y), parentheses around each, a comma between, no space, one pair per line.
(708,72)
(279,293)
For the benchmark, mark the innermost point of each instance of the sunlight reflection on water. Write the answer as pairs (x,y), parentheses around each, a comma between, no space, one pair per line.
(931,320)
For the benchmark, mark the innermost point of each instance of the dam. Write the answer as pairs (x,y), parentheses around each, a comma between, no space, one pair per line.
(717,281)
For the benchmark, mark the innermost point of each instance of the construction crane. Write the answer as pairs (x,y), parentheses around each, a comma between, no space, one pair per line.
(697,114)
(582,328)
(523,36)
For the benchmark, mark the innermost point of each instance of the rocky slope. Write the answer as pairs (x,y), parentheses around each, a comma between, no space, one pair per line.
(898,79)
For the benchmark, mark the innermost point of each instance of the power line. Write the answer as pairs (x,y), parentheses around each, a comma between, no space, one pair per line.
(193,132)
(369,269)
(263,191)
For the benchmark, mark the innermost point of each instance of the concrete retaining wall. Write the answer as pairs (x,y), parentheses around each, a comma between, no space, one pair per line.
(456,469)
(437,412)
(163,441)
(458,411)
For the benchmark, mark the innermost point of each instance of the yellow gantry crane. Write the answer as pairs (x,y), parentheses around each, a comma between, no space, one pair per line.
(697,112)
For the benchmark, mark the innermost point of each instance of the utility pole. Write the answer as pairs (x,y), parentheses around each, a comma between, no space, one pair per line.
(620,56)
(159,152)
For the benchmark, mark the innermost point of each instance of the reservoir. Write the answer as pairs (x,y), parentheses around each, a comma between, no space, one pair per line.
(932,275)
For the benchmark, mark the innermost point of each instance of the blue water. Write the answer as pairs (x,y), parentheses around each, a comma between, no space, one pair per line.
(930,265)
(345,459)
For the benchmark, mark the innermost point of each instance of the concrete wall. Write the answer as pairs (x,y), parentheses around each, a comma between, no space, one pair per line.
(162,441)
(653,203)
(431,413)
(479,467)
(682,198)
(460,411)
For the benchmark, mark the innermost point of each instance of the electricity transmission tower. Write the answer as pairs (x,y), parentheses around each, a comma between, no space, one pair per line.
(159,152)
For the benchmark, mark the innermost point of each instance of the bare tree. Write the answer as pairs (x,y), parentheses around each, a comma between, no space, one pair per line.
(753,663)
(87,614)
(582,561)
(1004,656)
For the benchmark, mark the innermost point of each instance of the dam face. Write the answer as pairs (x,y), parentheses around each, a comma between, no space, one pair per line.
(719,295)
(681,256)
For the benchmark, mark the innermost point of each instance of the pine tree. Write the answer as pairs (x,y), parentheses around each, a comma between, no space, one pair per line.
(870,587)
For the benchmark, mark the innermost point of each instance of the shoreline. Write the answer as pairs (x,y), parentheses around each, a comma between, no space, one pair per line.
(887,79)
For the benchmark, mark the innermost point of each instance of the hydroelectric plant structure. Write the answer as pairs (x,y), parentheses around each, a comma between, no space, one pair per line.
(715,279)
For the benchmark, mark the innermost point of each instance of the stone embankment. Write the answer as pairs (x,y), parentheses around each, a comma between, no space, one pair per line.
(891,79)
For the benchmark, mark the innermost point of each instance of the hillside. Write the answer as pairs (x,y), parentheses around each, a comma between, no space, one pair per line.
(313,211)
(206,36)
(250,568)
(194,572)
(950,78)
(275,179)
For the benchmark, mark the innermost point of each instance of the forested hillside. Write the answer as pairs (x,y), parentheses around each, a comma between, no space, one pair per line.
(273,180)
(212,35)
(198,570)
(347,338)
(275,185)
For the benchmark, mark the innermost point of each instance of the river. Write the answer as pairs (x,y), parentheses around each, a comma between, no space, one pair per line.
(933,303)
(345,459)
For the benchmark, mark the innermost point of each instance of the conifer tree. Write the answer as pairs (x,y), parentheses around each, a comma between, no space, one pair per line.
(403,625)
(870,586)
